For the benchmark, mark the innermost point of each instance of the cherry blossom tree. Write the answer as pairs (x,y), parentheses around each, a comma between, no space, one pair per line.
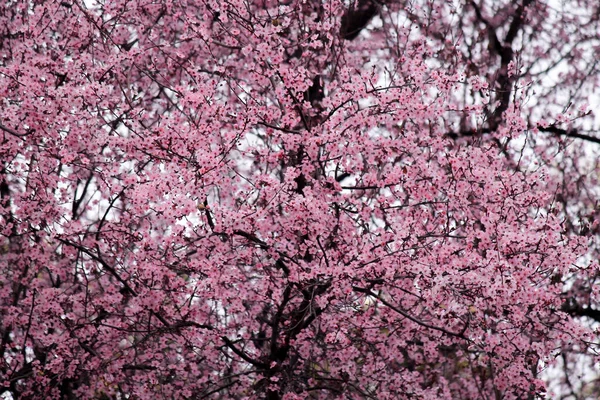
(366,199)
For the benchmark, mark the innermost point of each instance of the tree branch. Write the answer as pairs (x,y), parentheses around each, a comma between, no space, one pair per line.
(571,307)
(406,315)
(12,132)
(104,264)
(569,133)
(243,355)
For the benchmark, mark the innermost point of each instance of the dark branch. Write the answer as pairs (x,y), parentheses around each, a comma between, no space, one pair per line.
(571,307)
(407,315)
(569,133)
(251,238)
(356,18)
(76,201)
(572,133)
(11,131)
(104,264)
(243,355)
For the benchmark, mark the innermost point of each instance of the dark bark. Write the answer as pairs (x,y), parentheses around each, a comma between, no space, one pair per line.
(357,17)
